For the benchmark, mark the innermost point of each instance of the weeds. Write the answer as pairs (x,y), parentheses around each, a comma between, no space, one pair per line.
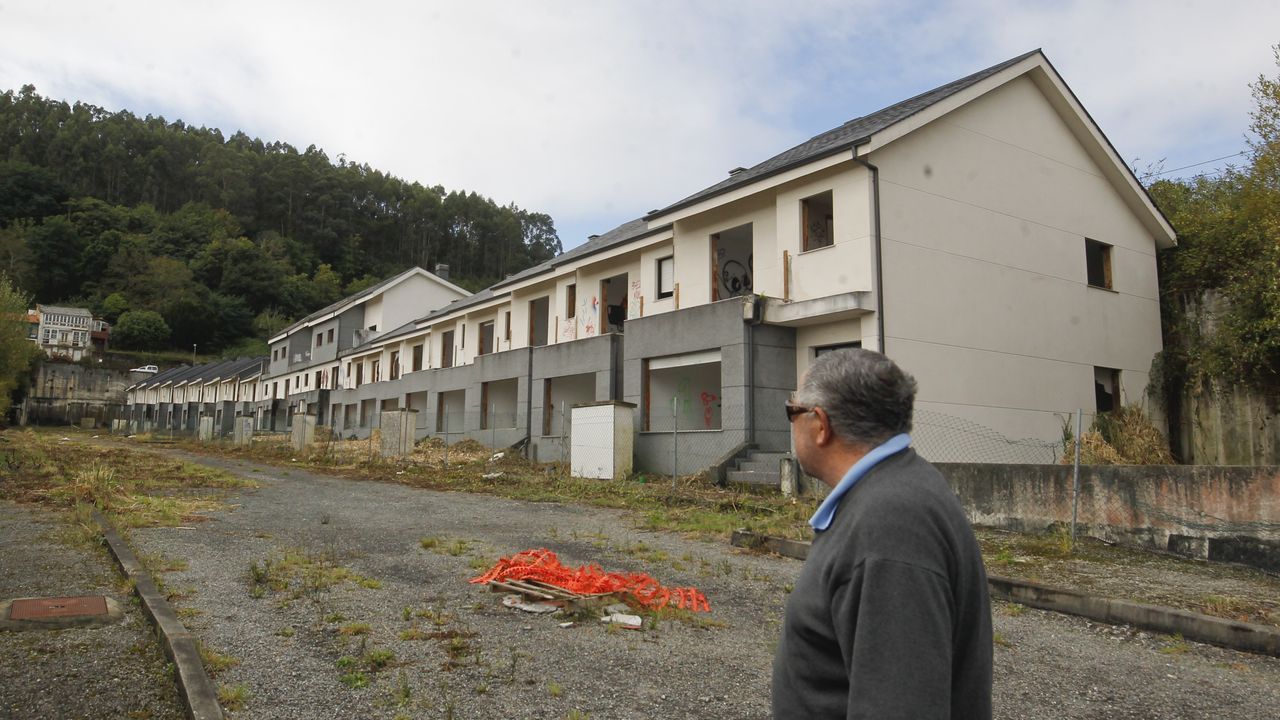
(215,662)
(304,574)
(134,489)
(233,697)
(1175,646)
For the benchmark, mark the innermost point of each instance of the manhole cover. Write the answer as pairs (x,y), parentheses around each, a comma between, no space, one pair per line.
(39,608)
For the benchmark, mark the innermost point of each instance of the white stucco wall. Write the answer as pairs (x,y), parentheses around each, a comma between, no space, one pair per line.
(985,215)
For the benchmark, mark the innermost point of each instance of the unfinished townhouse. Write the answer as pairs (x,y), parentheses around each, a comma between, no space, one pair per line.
(984,234)
(175,401)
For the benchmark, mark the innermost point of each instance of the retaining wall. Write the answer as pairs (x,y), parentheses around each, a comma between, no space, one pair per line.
(1229,513)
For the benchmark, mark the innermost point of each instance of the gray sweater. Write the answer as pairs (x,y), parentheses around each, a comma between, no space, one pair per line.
(890,616)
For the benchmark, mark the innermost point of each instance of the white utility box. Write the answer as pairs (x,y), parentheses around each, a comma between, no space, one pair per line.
(603,439)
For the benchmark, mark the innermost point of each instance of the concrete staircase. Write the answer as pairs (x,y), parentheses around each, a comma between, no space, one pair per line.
(758,470)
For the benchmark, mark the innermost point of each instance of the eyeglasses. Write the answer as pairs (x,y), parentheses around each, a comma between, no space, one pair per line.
(795,411)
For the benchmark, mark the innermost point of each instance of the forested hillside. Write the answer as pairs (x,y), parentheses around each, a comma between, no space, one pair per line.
(223,237)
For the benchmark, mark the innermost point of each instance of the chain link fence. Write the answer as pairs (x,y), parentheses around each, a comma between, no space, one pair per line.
(943,438)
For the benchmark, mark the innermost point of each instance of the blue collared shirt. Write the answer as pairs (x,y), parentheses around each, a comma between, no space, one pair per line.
(827,510)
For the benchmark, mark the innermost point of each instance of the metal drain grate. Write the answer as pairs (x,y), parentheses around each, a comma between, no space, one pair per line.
(60,607)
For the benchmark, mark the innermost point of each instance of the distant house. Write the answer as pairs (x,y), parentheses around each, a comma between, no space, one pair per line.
(985,234)
(68,333)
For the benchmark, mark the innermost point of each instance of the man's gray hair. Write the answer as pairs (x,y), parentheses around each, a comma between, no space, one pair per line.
(865,394)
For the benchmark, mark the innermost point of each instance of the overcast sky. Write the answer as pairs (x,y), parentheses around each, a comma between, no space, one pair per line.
(597,111)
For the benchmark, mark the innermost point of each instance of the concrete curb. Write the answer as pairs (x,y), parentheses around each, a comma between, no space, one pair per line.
(1246,637)
(198,692)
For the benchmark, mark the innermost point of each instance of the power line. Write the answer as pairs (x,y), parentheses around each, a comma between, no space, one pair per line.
(1184,167)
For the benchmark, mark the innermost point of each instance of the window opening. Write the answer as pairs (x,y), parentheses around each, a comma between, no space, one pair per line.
(1098,263)
(446,349)
(538,321)
(684,390)
(731,268)
(666,277)
(816,212)
(1106,389)
(613,306)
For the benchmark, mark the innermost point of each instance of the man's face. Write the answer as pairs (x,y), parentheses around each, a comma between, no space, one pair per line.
(804,426)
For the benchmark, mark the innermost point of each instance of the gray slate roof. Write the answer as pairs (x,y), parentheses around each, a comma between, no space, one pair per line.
(367,291)
(624,233)
(186,373)
(854,132)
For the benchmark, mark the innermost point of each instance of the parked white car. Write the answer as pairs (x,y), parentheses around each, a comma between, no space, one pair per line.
(146,369)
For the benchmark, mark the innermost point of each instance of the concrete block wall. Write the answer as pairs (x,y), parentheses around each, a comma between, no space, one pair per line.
(717,326)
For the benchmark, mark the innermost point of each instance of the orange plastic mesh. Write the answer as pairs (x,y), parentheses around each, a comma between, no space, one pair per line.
(543,565)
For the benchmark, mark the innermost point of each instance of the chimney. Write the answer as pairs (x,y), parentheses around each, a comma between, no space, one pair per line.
(442,271)
(736,170)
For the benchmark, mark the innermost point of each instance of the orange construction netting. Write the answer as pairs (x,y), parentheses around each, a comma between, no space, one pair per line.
(543,565)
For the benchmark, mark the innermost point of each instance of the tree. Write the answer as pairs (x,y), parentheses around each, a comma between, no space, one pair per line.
(141,330)
(1229,248)
(113,306)
(55,248)
(28,192)
(16,350)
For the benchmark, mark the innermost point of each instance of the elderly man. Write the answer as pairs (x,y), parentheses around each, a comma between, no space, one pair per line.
(890,616)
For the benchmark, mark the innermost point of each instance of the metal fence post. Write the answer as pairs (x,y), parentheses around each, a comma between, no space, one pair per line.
(1075,475)
(493,428)
(675,443)
(446,436)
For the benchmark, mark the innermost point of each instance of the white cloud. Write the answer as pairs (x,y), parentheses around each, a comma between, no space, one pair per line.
(598,111)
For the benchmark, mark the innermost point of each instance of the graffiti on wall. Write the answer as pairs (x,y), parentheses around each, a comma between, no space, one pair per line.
(734,275)
(634,309)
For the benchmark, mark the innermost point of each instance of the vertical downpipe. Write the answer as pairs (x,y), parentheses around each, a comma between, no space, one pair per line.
(879,265)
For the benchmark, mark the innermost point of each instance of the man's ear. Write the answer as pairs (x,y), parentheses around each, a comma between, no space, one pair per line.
(825,436)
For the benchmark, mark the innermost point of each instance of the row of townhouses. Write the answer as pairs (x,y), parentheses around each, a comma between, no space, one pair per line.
(984,234)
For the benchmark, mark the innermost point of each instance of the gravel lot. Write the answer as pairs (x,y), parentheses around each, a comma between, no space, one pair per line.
(487,661)
(116,671)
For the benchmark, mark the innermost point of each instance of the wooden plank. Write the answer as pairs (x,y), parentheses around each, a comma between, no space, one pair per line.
(496,585)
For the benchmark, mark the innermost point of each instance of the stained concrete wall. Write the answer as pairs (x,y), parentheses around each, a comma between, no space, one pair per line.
(1215,513)
(1229,425)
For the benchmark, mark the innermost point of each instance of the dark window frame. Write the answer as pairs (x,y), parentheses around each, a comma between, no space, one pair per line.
(664,294)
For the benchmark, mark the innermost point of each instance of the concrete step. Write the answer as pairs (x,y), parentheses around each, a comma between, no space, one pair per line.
(754,478)
(773,457)
(765,466)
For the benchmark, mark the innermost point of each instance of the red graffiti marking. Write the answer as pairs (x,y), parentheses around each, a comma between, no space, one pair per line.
(708,409)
